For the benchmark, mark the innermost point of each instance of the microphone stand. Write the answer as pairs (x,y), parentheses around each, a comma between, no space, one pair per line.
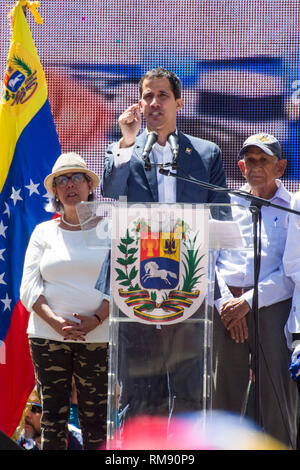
(255,209)
(256,204)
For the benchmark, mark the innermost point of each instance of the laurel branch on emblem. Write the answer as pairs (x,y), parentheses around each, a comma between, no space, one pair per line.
(128,273)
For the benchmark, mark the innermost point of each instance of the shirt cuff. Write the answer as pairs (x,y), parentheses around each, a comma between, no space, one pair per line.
(219,302)
(121,155)
(296,344)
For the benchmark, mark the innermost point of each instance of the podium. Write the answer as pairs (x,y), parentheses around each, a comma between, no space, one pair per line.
(160,274)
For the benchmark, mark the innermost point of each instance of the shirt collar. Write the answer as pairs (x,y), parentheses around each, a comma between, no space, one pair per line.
(161,146)
(281,193)
(162,153)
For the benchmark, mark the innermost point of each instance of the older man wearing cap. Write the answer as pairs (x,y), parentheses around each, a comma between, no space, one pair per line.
(68,326)
(261,164)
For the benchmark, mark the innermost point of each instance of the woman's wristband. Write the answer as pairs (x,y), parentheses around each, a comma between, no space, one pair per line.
(98,318)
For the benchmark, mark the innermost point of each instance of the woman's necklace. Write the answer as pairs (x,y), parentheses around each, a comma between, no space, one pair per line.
(76,225)
(68,223)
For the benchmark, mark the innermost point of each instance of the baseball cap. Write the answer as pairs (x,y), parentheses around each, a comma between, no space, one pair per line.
(266,142)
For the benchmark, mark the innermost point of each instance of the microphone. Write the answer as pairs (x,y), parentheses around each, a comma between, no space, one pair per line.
(151,139)
(173,142)
(165,172)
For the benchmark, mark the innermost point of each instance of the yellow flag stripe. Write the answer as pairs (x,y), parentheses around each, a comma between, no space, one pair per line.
(11,123)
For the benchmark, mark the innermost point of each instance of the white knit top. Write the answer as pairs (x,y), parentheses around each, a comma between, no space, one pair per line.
(59,265)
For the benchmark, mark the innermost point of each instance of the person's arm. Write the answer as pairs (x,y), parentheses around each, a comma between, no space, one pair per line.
(76,330)
(32,286)
(291,255)
(118,155)
(87,323)
(218,178)
(272,289)
(67,329)
(130,124)
(32,292)
(224,292)
(103,280)
(239,330)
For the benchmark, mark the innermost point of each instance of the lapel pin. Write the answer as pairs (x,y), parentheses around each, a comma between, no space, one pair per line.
(188,150)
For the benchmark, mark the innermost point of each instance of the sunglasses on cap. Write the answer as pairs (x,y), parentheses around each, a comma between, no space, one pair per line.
(35,407)
(77,178)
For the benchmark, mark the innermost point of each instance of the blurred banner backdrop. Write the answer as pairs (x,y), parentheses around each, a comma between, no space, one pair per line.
(238,60)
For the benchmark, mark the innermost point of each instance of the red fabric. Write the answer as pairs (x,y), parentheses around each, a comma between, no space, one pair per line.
(16,371)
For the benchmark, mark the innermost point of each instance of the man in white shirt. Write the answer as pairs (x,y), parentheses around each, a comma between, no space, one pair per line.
(261,165)
(160,388)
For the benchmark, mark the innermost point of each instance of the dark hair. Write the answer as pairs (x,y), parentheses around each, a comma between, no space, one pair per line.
(160,72)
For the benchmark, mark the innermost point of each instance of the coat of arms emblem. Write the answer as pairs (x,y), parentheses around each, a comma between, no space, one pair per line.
(160,276)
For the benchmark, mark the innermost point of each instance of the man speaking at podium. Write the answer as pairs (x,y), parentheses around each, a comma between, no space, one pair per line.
(132,170)
(125,161)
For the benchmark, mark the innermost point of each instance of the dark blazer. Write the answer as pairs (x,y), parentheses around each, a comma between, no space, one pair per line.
(197,157)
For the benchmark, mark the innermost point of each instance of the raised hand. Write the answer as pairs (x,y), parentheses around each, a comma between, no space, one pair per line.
(130,124)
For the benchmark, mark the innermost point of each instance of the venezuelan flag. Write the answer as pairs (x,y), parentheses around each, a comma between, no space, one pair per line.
(29,146)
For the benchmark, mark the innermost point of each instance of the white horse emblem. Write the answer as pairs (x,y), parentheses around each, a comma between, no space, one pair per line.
(13,81)
(152,270)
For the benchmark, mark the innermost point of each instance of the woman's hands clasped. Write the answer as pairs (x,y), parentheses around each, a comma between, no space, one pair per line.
(71,330)
(83,324)
(77,330)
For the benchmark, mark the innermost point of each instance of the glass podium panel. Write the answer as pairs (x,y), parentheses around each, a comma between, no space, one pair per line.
(161,279)
(96,214)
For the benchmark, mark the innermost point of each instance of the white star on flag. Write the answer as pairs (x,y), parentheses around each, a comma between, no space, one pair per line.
(1,256)
(2,229)
(7,302)
(7,211)
(1,279)
(15,195)
(32,187)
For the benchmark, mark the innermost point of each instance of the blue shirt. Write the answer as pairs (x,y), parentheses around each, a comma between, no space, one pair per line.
(236,268)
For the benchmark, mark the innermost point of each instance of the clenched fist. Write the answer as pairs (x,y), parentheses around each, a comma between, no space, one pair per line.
(130,124)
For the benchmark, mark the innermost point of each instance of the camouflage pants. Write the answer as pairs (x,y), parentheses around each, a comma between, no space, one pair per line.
(55,363)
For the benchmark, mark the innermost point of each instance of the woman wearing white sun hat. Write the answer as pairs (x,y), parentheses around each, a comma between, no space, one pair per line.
(68,326)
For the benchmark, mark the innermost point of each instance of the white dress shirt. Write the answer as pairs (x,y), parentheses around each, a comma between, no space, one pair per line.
(291,263)
(160,154)
(236,268)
